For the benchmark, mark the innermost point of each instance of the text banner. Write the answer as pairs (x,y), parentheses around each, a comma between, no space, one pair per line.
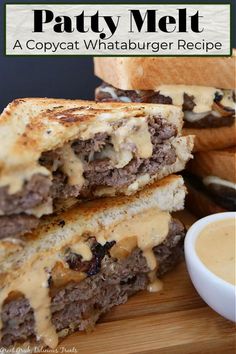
(89,29)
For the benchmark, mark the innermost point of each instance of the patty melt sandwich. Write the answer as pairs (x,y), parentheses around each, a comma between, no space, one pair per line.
(87,259)
(211,182)
(203,87)
(53,150)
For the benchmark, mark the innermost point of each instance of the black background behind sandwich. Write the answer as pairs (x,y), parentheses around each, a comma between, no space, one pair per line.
(65,77)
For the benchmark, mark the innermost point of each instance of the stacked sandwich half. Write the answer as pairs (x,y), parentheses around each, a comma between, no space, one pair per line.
(204,89)
(86,193)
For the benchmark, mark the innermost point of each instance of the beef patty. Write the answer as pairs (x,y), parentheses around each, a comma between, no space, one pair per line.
(77,306)
(97,172)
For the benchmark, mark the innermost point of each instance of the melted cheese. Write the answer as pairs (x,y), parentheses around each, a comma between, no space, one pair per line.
(203,96)
(112,92)
(83,249)
(45,208)
(72,166)
(216,180)
(227,100)
(119,158)
(136,134)
(16,178)
(194,117)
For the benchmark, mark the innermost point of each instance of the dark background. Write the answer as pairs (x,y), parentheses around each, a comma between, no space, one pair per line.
(67,77)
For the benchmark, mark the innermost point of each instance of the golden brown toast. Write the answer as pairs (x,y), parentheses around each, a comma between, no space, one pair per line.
(146,73)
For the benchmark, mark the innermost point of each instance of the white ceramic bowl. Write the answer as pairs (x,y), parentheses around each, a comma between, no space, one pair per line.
(216,292)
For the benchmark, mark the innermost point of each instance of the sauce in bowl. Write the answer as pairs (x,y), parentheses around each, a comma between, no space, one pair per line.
(215,247)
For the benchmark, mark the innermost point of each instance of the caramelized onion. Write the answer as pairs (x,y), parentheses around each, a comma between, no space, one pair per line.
(62,275)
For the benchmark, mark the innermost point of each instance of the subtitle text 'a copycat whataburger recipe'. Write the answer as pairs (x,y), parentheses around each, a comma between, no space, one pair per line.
(60,272)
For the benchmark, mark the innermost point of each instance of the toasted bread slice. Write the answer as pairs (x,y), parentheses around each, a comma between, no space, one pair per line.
(146,73)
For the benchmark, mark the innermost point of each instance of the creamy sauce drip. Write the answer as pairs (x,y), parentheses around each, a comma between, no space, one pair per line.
(155,284)
(33,284)
(215,247)
(72,166)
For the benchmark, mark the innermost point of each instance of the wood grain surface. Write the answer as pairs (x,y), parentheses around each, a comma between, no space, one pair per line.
(173,321)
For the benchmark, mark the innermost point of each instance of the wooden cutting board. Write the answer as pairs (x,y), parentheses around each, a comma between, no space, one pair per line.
(175,320)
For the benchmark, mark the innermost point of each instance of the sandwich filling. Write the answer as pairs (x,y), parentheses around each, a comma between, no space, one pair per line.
(221,191)
(127,155)
(203,107)
(87,279)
